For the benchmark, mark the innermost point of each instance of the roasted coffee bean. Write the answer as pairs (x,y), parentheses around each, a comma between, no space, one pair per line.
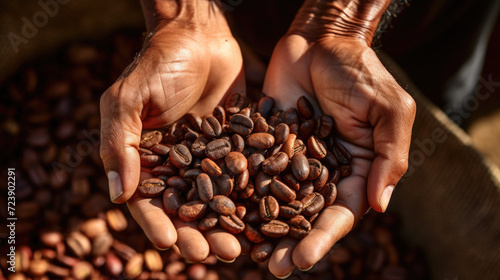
(299,227)
(273,150)
(191,136)
(341,153)
(253,217)
(235,102)
(306,129)
(164,170)
(194,120)
(300,167)
(232,224)
(236,162)
(324,126)
(245,244)
(305,108)
(142,151)
(289,145)
(151,161)
(291,181)
(281,133)
(218,149)
(199,145)
(313,203)
(241,182)
(116,220)
(260,125)
(262,183)
(306,188)
(101,244)
(294,129)
(329,193)
(161,149)
(260,140)
(255,163)
(220,114)
(174,135)
(209,222)
(299,147)
(334,177)
(245,111)
(345,170)
(316,148)
(178,183)
(265,105)
(192,194)
(330,161)
(149,139)
(78,244)
(262,251)
(315,167)
(275,164)
(205,187)
(275,228)
(134,266)
(253,234)
(223,205)
(268,208)
(180,156)
(225,184)
(291,116)
(172,201)
(241,124)
(241,211)
(281,191)
(151,187)
(193,210)
(210,167)
(321,180)
(292,209)
(238,143)
(190,174)
(211,127)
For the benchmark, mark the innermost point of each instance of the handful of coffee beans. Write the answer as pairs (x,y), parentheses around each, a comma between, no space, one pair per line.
(258,172)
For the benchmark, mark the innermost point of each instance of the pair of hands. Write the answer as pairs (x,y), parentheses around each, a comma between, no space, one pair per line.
(192,61)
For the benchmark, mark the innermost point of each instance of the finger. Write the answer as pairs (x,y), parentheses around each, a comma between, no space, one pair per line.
(223,244)
(280,263)
(120,137)
(192,244)
(392,123)
(149,214)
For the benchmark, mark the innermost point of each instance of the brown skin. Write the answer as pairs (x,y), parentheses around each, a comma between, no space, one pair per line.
(190,63)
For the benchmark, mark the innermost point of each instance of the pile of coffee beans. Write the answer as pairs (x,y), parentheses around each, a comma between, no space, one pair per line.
(252,169)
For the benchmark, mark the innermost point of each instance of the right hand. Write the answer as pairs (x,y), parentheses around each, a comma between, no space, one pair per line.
(189,63)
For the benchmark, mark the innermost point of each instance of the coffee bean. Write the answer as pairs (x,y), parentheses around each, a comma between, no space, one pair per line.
(174,135)
(275,164)
(292,209)
(313,203)
(205,187)
(300,167)
(211,127)
(220,114)
(291,116)
(265,106)
(299,147)
(78,244)
(299,227)
(288,145)
(134,266)
(225,184)
(194,120)
(232,224)
(178,183)
(238,143)
(260,140)
(210,167)
(153,260)
(209,221)
(199,145)
(324,126)
(305,108)
(164,170)
(306,129)
(281,191)
(341,153)
(245,244)
(218,149)
(241,124)
(255,163)
(316,148)
(294,129)
(161,149)
(291,181)
(116,220)
(193,210)
(275,228)
(235,102)
(180,156)
(253,234)
(192,194)
(151,187)
(322,179)
(223,205)
(241,182)
(345,170)
(190,135)
(330,161)
(172,201)
(314,168)
(281,133)
(260,125)
(151,161)
(245,111)
(236,162)
(306,188)
(262,183)
(334,177)
(268,208)
(329,193)
(150,139)
(261,252)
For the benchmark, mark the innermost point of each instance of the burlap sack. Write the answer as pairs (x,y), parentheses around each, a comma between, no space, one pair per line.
(449,202)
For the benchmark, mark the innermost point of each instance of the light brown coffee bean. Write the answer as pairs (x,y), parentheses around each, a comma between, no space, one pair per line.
(268,208)
(151,187)
(261,252)
(241,210)
(209,221)
(192,210)
(180,156)
(93,227)
(225,184)
(134,266)
(253,234)
(232,224)
(236,162)
(161,149)
(149,139)
(292,209)
(329,193)
(316,148)
(260,140)
(299,227)
(262,183)
(223,205)
(78,244)
(218,149)
(322,179)
(210,167)
(255,163)
(275,228)
(220,114)
(281,191)
(172,201)
(260,125)
(300,167)
(101,244)
(313,203)
(315,168)
(205,187)
(151,161)
(291,181)
(241,181)
(238,143)
(275,164)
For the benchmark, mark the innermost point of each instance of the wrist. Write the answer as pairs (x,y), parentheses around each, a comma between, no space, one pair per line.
(356,19)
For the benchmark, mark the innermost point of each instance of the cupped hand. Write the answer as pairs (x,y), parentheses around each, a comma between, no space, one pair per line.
(188,64)
(373,119)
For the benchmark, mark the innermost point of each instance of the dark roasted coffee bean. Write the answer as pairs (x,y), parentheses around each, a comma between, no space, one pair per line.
(316,148)
(306,188)
(238,143)
(299,227)
(329,193)
(178,183)
(291,116)
(330,161)
(245,244)
(253,234)
(205,187)
(292,209)
(180,156)
(241,181)
(281,191)
(199,145)
(265,106)
(209,221)
(241,211)
(191,174)
(142,151)
(149,139)
(151,161)
(334,177)
(262,183)
(223,205)
(236,162)
(324,126)
(191,135)
(306,129)
(260,140)
(220,114)
(275,228)
(172,201)
(281,133)
(294,129)
(174,135)
(300,167)
(218,149)
(274,121)
(299,147)
(241,124)
(341,153)
(268,208)
(345,170)
(321,180)
(273,150)
(194,120)
(192,194)
(291,181)
(151,187)
(261,252)
(161,149)
(313,203)
(315,167)
(255,163)
(305,108)
(260,125)
(192,210)
(235,102)
(275,164)
(231,223)
(225,184)
(253,217)
(210,167)
(211,127)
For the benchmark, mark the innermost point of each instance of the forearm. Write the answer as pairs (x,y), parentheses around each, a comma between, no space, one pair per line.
(346,18)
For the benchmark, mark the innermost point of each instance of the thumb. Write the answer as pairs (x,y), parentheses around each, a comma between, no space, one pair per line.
(392,120)
(120,136)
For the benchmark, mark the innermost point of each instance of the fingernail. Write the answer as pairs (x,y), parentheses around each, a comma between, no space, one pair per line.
(386,197)
(284,277)
(223,260)
(307,269)
(115,185)
(162,249)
